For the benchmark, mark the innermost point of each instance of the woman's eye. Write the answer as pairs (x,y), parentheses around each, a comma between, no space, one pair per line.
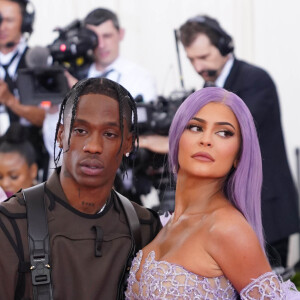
(195,128)
(225,133)
(14,177)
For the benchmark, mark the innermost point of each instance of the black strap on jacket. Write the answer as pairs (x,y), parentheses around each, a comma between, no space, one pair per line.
(132,220)
(39,247)
(38,240)
(136,242)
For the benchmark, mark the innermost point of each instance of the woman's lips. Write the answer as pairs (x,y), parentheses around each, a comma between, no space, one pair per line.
(203,156)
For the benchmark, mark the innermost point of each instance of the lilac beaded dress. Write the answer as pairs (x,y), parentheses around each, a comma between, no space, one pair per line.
(164,280)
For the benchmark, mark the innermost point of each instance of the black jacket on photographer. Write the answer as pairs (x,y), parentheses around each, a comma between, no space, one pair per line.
(10,73)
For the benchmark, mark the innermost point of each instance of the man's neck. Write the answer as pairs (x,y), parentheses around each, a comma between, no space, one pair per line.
(220,81)
(104,67)
(84,199)
(99,67)
(5,50)
(10,46)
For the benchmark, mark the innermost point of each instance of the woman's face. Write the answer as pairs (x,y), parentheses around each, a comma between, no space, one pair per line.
(15,172)
(209,146)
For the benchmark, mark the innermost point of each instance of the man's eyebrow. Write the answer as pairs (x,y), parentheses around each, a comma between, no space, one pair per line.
(218,123)
(86,122)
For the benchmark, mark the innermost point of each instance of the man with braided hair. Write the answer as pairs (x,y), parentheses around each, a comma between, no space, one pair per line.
(89,235)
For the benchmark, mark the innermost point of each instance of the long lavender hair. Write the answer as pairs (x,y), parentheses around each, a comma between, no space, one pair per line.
(243,185)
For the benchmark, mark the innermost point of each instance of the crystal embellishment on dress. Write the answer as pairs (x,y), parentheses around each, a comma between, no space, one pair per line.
(164,280)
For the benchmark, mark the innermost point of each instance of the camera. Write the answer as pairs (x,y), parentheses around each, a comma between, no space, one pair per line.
(150,168)
(42,85)
(44,80)
(156,117)
(74,46)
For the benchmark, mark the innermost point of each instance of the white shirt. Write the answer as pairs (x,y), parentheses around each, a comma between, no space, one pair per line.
(12,71)
(131,76)
(5,59)
(225,72)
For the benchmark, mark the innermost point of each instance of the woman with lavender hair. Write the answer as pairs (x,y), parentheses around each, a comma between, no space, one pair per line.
(212,247)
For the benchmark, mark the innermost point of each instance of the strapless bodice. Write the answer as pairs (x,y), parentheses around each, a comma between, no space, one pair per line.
(163,280)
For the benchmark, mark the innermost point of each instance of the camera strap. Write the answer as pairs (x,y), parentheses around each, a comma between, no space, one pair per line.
(38,240)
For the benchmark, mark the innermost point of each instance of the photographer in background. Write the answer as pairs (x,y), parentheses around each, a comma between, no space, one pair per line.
(107,63)
(15,22)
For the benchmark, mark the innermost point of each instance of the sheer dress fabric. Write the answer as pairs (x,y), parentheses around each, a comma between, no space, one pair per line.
(164,280)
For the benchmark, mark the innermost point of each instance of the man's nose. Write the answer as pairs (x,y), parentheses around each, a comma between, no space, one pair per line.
(198,66)
(100,42)
(94,144)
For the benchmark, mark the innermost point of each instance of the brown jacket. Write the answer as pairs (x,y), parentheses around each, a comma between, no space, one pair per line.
(76,272)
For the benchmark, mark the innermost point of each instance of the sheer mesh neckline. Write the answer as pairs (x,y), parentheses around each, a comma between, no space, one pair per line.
(165,280)
(152,257)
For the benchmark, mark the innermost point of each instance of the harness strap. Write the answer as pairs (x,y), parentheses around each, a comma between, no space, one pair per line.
(133,220)
(136,242)
(38,239)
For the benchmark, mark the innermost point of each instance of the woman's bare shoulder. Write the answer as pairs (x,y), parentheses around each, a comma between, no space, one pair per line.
(235,247)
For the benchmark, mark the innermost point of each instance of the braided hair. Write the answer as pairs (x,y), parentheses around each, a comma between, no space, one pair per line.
(101,86)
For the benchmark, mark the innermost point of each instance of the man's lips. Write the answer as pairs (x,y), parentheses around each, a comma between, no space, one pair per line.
(91,167)
(203,156)
(104,54)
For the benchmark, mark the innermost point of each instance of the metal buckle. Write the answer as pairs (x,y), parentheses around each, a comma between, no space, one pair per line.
(40,269)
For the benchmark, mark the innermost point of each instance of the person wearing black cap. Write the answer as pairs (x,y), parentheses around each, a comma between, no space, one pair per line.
(210,50)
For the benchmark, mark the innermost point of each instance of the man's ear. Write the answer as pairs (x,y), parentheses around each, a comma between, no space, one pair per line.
(60,135)
(128,141)
(121,34)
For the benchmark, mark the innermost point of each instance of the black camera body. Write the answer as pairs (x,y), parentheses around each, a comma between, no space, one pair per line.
(42,85)
(156,117)
(73,49)
(74,46)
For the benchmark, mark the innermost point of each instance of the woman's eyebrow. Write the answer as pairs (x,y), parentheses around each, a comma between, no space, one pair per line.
(218,123)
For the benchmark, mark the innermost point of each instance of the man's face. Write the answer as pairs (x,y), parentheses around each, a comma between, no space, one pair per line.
(205,57)
(93,156)
(108,43)
(10,29)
